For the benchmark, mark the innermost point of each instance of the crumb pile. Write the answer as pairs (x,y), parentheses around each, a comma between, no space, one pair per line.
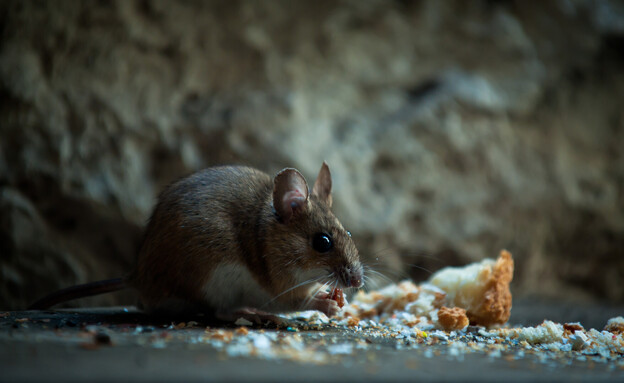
(453,298)
(463,308)
(458,311)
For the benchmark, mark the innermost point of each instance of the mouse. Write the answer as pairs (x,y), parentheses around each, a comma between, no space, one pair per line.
(232,241)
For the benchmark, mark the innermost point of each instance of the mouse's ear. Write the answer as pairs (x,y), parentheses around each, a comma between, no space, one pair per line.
(290,193)
(323,185)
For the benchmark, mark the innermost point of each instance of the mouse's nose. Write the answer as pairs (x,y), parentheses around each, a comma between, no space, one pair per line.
(351,276)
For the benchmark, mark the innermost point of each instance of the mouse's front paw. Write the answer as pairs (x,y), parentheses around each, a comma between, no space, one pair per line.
(326,306)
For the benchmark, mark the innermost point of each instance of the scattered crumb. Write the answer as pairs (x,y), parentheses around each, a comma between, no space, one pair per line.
(242,331)
(352,322)
(481,289)
(223,335)
(615,325)
(547,332)
(572,327)
(452,318)
(432,319)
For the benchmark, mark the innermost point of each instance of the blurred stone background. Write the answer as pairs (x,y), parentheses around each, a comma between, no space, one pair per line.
(453,129)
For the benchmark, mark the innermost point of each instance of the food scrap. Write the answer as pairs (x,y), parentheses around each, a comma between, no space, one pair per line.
(452,318)
(615,325)
(338,296)
(479,292)
(456,312)
(481,288)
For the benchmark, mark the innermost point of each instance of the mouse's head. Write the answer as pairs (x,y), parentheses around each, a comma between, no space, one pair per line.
(309,241)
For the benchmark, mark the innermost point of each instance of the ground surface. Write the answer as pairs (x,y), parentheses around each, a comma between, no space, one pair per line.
(121,344)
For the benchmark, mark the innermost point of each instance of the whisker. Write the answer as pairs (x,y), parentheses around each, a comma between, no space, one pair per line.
(397,274)
(309,281)
(371,284)
(375,275)
(419,267)
(400,249)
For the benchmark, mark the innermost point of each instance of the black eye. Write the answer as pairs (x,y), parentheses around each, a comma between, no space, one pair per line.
(321,242)
(348,233)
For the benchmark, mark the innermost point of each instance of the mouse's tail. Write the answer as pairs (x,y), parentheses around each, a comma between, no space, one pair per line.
(79,291)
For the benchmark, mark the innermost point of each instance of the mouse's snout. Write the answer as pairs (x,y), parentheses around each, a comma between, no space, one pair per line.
(351,276)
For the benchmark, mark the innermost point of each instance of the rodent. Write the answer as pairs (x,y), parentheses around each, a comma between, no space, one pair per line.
(231,238)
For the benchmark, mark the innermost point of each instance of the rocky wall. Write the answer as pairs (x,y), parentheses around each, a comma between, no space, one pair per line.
(453,129)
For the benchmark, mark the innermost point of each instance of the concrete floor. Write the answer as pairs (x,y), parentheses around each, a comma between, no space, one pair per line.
(61,346)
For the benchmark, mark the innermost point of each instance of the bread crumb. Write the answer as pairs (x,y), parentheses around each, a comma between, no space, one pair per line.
(480,288)
(615,325)
(352,322)
(547,332)
(242,331)
(451,319)
(572,327)
(223,335)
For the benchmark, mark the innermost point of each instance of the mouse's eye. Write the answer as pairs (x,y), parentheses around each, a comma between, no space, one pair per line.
(322,242)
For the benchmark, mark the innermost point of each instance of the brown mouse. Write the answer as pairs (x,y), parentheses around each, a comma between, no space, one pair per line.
(229,240)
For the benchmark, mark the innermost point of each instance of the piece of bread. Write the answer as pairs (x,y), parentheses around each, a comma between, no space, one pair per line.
(452,298)
(482,289)
(452,318)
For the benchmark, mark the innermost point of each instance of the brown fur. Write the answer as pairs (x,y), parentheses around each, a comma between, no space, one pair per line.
(239,215)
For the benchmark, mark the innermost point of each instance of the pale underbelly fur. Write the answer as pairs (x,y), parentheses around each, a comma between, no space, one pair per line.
(231,286)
